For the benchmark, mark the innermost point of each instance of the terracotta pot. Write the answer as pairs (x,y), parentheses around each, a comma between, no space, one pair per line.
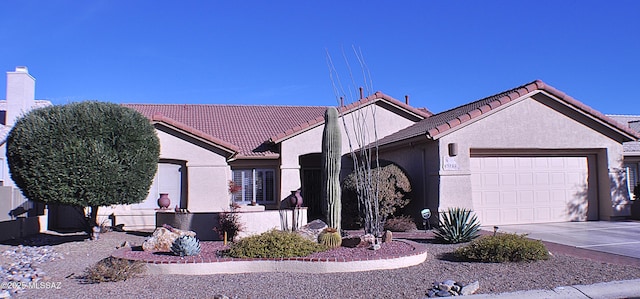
(164,201)
(295,198)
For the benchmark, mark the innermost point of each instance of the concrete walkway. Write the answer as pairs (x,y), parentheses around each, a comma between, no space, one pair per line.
(617,237)
(605,290)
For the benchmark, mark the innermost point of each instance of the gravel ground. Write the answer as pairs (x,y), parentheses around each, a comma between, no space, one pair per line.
(412,282)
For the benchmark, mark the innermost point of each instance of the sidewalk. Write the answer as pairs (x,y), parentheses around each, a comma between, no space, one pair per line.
(604,290)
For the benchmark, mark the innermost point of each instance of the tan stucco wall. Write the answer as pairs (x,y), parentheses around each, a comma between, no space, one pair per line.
(526,126)
(207,182)
(529,124)
(310,141)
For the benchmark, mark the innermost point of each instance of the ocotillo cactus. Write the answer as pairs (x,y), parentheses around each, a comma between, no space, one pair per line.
(331,152)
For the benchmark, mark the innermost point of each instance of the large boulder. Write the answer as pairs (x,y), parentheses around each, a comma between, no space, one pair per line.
(163,237)
(312,229)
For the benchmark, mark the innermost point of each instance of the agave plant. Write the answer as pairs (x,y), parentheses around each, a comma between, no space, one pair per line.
(185,246)
(457,225)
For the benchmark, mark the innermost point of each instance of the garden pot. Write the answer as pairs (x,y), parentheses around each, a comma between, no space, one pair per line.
(295,198)
(164,201)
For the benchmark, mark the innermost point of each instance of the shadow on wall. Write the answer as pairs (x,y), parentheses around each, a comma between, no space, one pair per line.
(619,192)
(578,207)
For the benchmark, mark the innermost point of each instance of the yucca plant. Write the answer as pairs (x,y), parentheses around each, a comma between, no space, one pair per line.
(457,225)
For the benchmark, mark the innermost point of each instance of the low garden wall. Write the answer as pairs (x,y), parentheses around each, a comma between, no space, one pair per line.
(255,220)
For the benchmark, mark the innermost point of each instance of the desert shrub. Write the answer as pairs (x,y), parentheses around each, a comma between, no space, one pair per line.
(274,244)
(229,222)
(457,225)
(503,248)
(113,269)
(393,187)
(400,224)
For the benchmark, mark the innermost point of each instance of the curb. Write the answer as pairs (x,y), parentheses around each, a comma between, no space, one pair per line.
(614,289)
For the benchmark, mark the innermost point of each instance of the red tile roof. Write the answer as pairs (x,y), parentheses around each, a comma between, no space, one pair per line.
(243,128)
(252,130)
(441,123)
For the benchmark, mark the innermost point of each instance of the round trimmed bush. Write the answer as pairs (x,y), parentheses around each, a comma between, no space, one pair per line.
(274,244)
(503,248)
(83,154)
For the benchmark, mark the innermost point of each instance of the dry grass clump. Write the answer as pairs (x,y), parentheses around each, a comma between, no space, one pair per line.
(112,269)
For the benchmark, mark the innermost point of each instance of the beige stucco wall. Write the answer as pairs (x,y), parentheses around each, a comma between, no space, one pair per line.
(207,181)
(527,126)
(530,124)
(310,141)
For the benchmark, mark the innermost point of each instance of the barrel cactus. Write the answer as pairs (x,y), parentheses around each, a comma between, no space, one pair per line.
(331,155)
(330,237)
(185,246)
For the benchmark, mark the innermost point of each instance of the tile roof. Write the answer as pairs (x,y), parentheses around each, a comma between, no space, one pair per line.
(633,121)
(440,123)
(244,128)
(377,97)
(252,130)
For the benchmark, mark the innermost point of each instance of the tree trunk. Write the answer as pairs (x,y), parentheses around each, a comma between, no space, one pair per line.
(92,222)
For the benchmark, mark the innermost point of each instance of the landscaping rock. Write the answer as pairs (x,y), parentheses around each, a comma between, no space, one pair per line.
(163,238)
(470,288)
(387,237)
(312,229)
(22,268)
(449,288)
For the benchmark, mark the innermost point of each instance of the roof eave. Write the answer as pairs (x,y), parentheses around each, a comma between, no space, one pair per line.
(196,134)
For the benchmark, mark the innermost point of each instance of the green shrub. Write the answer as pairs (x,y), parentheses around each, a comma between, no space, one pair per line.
(503,248)
(87,154)
(274,244)
(457,225)
(400,224)
(113,269)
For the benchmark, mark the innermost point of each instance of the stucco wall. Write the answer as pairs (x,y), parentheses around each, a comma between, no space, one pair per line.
(530,124)
(207,181)
(387,122)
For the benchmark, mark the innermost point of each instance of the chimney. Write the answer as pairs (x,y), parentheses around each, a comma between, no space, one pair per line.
(21,88)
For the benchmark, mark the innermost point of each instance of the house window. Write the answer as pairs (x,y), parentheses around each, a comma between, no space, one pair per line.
(632,176)
(256,185)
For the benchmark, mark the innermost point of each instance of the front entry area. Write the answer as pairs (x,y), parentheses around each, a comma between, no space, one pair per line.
(532,189)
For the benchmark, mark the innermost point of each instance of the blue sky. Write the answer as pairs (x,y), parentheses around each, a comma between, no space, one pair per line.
(440,53)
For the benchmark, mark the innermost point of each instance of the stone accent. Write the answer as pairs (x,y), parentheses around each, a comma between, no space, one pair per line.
(387,237)
(312,229)
(163,237)
(450,288)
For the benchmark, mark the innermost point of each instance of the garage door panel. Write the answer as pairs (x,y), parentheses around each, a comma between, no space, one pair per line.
(512,190)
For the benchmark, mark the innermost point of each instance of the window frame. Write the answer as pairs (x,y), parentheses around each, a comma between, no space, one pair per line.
(254,185)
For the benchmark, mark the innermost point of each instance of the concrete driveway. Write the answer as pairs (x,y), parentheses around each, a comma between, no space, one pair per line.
(618,237)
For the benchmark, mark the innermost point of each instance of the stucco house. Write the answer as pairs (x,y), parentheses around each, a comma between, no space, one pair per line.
(267,151)
(18,216)
(631,149)
(531,154)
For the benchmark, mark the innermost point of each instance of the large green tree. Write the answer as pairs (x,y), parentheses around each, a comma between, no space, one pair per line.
(87,154)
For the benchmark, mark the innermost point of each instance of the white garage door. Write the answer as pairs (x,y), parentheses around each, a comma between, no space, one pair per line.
(518,190)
